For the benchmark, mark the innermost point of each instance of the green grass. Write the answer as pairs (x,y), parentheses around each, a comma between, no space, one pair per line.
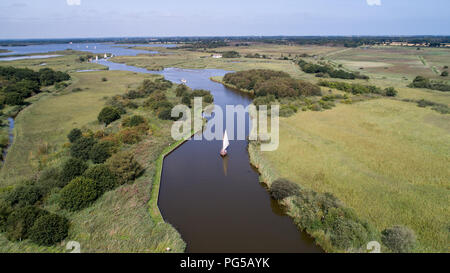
(120,220)
(386,159)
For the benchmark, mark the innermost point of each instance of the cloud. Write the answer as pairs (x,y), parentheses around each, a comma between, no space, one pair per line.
(373,2)
(78,2)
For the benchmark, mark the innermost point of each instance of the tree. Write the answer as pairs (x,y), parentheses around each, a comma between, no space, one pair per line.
(444,73)
(49,229)
(14,99)
(72,168)
(81,148)
(125,167)
(78,194)
(399,239)
(100,152)
(108,115)
(74,135)
(102,176)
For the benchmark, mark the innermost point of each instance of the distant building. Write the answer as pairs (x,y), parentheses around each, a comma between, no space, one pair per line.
(217,56)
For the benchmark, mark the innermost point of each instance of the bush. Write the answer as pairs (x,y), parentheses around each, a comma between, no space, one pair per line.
(283,188)
(125,167)
(390,92)
(186,100)
(74,135)
(165,113)
(133,121)
(399,239)
(5,211)
(49,229)
(78,194)
(100,152)
(104,179)
(25,195)
(14,99)
(181,90)
(130,136)
(21,220)
(50,178)
(324,213)
(444,73)
(108,115)
(71,169)
(81,148)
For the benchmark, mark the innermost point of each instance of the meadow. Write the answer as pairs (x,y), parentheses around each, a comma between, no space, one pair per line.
(120,220)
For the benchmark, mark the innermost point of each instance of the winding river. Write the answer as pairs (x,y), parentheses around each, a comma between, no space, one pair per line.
(219,205)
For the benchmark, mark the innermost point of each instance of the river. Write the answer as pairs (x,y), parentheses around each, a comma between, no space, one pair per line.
(219,205)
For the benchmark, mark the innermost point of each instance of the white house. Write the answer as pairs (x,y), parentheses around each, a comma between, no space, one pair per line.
(217,56)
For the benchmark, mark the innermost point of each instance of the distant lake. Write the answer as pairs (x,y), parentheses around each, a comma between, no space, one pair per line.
(116,49)
(28,57)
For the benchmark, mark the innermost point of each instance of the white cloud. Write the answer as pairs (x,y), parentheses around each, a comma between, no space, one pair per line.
(78,2)
(373,2)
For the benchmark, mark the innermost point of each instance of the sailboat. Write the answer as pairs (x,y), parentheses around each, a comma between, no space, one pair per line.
(225,145)
(183,81)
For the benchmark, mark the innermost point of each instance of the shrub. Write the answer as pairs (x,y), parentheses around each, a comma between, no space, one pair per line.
(108,115)
(74,135)
(21,220)
(49,229)
(390,92)
(104,79)
(100,152)
(165,113)
(25,195)
(78,194)
(444,73)
(133,121)
(14,99)
(283,188)
(399,239)
(181,90)
(186,100)
(125,167)
(50,178)
(71,169)
(5,211)
(82,147)
(346,230)
(324,213)
(102,176)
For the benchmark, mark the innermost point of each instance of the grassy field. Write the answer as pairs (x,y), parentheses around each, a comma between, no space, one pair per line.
(386,159)
(120,220)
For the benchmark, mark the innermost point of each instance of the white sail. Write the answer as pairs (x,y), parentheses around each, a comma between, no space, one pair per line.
(226,143)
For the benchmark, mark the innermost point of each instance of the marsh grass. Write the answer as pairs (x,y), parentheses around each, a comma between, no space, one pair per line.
(119,221)
(386,159)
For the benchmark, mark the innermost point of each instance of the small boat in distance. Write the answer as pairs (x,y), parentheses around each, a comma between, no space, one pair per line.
(225,145)
(183,81)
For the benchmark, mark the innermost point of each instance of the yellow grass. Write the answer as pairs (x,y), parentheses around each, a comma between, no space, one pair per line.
(388,160)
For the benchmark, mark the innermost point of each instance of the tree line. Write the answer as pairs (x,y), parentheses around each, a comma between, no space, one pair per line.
(17,84)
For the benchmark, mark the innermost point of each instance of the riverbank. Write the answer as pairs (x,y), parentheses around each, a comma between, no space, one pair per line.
(367,170)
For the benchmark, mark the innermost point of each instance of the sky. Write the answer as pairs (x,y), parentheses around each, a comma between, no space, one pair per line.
(21,19)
